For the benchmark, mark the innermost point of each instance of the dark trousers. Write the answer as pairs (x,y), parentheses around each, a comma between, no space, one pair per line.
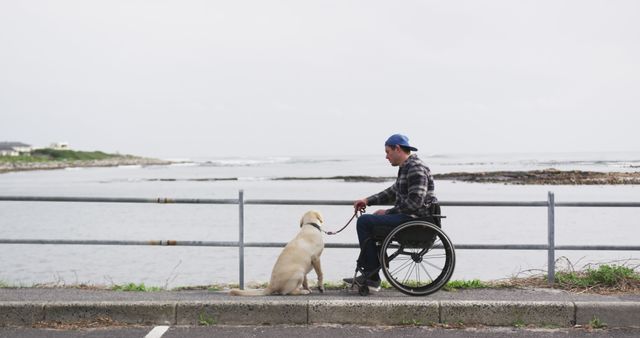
(368,251)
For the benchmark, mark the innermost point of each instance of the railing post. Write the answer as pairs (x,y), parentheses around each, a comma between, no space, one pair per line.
(241,237)
(551,241)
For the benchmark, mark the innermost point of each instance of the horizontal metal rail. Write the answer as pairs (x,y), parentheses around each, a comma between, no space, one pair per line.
(164,200)
(327,245)
(550,204)
(160,200)
(598,204)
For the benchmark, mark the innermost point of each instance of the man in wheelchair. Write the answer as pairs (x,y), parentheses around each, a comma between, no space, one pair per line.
(412,196)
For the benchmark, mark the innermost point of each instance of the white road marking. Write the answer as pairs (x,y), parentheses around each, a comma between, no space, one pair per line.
(157,332)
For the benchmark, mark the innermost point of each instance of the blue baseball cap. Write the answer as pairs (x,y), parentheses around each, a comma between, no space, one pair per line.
(399,140)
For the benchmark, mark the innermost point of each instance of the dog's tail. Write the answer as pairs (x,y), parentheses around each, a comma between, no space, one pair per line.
(255,292)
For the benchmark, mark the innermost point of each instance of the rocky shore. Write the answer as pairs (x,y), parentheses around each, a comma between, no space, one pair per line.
(531,177)
(545,177)
(110,162)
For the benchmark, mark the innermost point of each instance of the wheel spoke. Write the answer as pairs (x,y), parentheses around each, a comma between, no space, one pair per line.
(401,266)
(418,265)
(439,259)
(408,274)
(426,271)
(435,266)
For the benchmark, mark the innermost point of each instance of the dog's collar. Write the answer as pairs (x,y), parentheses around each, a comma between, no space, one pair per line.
(315,225)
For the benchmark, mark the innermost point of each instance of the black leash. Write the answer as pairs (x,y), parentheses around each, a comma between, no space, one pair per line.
(357,213)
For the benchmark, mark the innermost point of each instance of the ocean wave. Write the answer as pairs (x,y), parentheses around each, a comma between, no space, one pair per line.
(580,162)
(186,163)
(317,160)
(179,160)
(259,161)
(199,179)
(551,163)
(242,162)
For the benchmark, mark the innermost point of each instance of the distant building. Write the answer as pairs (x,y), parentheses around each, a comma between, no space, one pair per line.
(14,149)
(59,145)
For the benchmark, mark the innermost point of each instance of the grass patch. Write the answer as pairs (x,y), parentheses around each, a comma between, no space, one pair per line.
(334,285)
(22,159)
(601,278)
(215,288)
(593,278)
(412,322)
(450,286)
(596,323)
(136,287)
(519,323)
(465,284)
(204,320)
(59,155)
(47,155)
(212,287)
(604,275)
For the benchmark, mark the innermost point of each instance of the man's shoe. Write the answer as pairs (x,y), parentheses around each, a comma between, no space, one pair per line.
(361,280)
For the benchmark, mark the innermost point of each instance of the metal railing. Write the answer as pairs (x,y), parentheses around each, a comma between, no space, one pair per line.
(550,204)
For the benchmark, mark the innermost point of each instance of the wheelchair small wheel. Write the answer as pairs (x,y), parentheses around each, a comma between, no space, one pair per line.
(417,258)
(363,290)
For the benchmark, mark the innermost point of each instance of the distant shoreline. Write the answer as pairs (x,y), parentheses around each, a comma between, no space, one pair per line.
(6,167)
(531,177)
(545,177)
(527,177)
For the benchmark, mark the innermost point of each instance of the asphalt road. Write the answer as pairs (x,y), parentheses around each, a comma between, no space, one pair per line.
(311,331)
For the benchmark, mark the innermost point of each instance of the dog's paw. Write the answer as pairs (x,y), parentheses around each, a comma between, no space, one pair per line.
(321,288)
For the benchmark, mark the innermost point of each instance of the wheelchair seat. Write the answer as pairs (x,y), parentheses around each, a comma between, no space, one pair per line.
(381,232)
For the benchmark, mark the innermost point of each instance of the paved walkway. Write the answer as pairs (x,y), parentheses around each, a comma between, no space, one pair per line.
(501,307)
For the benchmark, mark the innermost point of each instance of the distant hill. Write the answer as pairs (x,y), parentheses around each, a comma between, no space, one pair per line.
(49,154)
(48,158)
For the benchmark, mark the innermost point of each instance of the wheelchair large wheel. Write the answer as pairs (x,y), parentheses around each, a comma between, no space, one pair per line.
(417,258)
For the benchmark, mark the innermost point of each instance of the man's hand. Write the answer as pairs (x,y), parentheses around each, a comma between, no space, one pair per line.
(360,204)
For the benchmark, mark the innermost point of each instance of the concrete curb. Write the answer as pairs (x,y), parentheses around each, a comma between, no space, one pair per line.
(21,314)
(613,314)
(508,313)
(129,312)
(248,312)
(361,312)
(374,312)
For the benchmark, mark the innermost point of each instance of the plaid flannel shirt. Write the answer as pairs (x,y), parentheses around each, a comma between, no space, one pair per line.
(413,192)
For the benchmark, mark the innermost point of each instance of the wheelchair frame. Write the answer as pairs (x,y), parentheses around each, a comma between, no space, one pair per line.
(416,257)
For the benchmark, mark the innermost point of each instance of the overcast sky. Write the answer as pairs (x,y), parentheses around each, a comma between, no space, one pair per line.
(260,77)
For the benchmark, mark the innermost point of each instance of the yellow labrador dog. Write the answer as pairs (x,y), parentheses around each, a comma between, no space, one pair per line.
(289,274)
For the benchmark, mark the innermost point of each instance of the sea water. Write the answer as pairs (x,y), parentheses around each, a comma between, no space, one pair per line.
(258,178)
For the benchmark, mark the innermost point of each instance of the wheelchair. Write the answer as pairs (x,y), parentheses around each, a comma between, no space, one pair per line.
(416,257)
